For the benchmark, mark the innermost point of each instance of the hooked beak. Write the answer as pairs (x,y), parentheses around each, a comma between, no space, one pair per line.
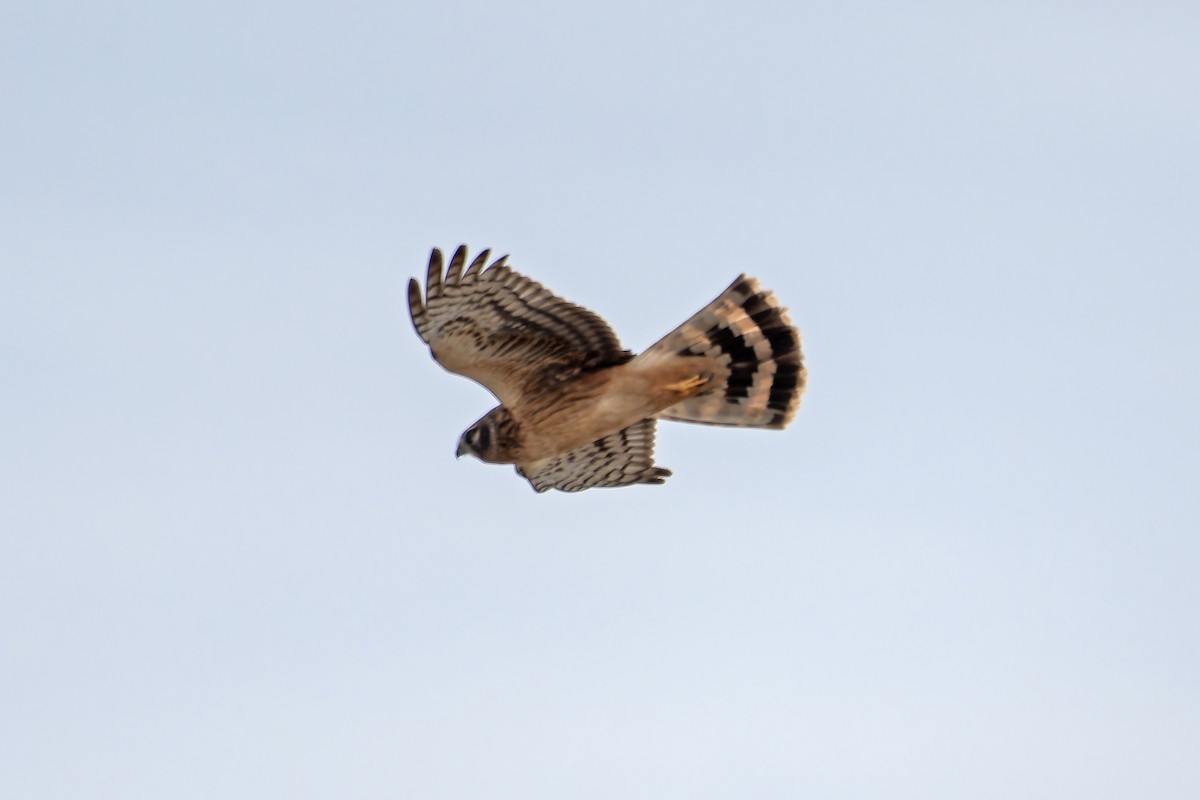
(461,451)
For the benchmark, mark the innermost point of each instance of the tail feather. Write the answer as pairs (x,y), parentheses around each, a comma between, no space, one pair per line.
(760,373)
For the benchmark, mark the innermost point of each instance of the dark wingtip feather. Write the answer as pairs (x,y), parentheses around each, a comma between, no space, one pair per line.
(456,265)
(477,265)
(656,476)
(416,306)
(433,276)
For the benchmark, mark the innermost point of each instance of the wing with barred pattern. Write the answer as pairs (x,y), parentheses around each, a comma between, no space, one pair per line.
(503,330)
(619,459)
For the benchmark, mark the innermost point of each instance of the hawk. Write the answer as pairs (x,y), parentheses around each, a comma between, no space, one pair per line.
(576,409)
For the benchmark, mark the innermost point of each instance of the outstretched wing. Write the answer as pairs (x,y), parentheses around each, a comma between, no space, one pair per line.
(619,459)
(503,330)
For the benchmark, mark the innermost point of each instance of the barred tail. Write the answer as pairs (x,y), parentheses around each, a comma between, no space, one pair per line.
(760,371)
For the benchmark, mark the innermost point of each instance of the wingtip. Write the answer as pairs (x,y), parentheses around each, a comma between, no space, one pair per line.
(433,276)
(416,306)
(454,273)
(657,476)
(476,266)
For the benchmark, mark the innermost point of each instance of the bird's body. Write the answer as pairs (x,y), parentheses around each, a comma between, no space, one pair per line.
(577,410)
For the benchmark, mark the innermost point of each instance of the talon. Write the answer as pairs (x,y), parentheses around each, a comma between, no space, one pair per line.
(690,385)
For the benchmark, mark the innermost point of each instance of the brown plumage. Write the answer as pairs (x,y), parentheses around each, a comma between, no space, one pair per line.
(576,409)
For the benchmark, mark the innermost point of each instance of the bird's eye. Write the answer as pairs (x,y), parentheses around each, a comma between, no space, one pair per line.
(470,437)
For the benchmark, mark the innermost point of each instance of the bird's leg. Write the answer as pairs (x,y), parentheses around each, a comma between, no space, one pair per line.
(691,385)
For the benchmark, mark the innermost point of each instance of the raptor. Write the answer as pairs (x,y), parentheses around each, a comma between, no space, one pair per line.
(577,410)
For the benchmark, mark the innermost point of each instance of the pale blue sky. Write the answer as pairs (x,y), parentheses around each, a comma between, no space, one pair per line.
(239,560)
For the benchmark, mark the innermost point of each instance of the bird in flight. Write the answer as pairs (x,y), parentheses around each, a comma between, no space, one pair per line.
(577,410)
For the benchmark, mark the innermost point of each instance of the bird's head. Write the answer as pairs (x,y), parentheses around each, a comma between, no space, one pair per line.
(490,439)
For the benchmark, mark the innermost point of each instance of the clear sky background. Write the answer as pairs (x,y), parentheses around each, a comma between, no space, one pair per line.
(239,560)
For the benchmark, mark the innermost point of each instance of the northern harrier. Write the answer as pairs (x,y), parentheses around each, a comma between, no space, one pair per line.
(576,409)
